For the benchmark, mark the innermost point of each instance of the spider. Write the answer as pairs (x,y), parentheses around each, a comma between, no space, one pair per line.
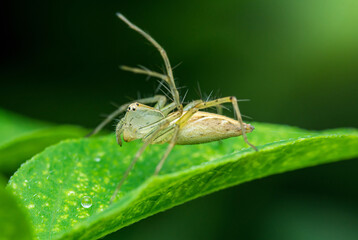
(170,123)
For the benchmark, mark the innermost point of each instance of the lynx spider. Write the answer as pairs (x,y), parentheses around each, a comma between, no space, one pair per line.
(170,123)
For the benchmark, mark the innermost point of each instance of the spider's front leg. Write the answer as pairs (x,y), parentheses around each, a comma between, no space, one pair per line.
(168,77)
(154,131)
(136,157)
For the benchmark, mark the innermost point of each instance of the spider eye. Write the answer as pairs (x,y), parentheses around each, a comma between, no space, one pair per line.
(129,108)
(137,104)
(134,109)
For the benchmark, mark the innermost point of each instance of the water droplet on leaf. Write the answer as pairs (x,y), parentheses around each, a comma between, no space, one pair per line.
(97,159)
(70,193)
(86,202)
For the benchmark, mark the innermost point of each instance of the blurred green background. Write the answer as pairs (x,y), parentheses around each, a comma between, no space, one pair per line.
(296,60)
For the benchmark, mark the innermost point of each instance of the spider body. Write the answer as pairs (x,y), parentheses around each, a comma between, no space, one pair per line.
(139,121)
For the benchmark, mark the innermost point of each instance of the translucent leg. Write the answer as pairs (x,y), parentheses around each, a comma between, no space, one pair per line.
(169,78)
(169,149)
(136,157)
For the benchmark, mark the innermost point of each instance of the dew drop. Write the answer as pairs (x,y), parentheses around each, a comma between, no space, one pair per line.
(86,202)
(97,159)
(70,193)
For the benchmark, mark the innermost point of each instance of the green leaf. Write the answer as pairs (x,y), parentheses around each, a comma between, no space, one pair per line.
(53,184)
(21,138)
(14,223)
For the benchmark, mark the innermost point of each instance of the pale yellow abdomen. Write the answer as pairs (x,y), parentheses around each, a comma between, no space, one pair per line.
(205,127)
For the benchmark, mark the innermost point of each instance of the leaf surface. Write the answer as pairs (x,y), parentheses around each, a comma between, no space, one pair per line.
(22,137)
(67,187)
(14,223)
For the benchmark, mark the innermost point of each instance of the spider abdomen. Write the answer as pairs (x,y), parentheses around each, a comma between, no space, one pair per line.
(205,127)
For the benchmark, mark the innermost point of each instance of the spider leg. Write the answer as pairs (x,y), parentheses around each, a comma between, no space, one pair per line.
(192,104)
(169,149)
(168,108)
(173,130)
(191,108)
(219,109)
(169,72)
(146,72)
(149,140)
(159,99)
(151,127)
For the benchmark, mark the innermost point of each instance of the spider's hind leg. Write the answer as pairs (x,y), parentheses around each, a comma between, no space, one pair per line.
(136,157)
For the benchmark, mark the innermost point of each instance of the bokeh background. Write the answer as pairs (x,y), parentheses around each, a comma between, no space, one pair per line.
(296,60)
